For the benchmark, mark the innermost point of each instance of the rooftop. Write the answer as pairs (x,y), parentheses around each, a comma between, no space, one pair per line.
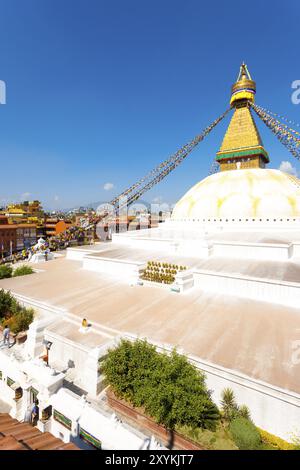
(254,338)
(22,436)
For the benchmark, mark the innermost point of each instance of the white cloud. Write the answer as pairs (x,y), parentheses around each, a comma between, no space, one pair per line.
(25,196)
(108,186)
(56,198)
(157,200)
(288,168)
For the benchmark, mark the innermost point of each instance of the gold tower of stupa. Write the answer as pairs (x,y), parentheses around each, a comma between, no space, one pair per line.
(242,145)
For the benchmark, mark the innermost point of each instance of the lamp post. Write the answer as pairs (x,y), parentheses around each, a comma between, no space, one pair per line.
(48,345)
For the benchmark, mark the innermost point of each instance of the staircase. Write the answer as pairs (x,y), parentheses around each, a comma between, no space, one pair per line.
(23,436)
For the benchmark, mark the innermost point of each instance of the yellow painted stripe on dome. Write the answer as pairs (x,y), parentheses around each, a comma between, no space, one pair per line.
(293,204)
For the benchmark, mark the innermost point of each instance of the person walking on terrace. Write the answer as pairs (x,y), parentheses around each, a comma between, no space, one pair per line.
(6,334)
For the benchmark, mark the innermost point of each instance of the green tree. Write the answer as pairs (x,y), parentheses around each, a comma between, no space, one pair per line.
(228,404)
(5,271)
(168,387)
(230,407)
(244,412)
(21,320)
(7,303)
(13,314)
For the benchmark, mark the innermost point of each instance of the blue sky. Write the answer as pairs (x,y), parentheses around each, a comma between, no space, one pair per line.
(101,91)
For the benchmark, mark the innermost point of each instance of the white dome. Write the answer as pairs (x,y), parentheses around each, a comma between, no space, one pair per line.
(254,193)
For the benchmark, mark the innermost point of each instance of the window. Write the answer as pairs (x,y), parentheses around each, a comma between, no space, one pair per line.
(87,437)
(62,419)
(33,394)
(9,381)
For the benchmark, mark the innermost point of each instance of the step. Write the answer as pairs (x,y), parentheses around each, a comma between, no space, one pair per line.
(69,446)
(10,443)
(8,425)
(52,445)
(18,431)
(10,429)
(6,419)
(30,433)
(38,442)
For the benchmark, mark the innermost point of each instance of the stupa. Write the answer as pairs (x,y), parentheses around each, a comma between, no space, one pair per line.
(244,191)
(230,254)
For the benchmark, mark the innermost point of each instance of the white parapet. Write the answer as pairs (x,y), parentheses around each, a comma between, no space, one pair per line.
(77,254)
(35,336)
(267,290)
(296,250)
(184,280)
(267,251)
(87,424)
(119,268)
(41,257)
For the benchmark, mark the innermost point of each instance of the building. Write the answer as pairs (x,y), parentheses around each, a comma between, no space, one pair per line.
(71,417)
(25,210)
(231,303)
(3,220)
(16,237)
(8,238)
(54,226)
(26,236)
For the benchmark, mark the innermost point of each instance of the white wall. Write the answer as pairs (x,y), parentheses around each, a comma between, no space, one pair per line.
(254,251)
(280,292)
(273,409)
(110,266)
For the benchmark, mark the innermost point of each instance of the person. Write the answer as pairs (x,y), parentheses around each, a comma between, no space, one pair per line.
(6,333)
(34,413)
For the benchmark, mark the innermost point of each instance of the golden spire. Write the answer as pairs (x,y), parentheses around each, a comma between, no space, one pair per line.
(244,88)
(242,146)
